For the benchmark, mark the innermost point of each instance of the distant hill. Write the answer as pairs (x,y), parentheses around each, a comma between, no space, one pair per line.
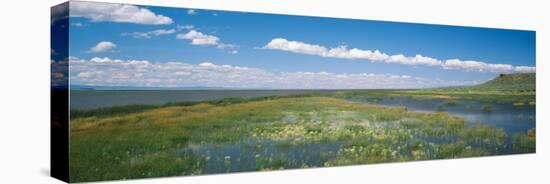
(522,82)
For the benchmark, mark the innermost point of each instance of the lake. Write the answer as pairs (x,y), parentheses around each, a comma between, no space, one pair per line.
(92,99)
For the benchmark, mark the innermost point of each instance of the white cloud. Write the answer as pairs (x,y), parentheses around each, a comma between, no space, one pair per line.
(102,46)
(185,27)
(159,32)
(111,12)
(150,34)
(198,38)
(296,47)
(455,64)
(191,12)
(343,52)
(525,69)
(226,46)
(179,74)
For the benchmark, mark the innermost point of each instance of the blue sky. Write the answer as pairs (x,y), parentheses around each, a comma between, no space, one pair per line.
(248,49)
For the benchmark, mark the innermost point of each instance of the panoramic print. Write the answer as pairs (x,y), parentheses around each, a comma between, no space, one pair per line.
(160,91)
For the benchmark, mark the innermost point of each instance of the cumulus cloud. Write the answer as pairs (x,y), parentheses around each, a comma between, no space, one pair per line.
(342,52)
(456,64)
(198,38)
(179,74)
(191,12)
(150,34)
(111,12)
(102,46)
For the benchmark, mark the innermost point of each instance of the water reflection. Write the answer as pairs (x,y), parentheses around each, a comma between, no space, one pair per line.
(512,119)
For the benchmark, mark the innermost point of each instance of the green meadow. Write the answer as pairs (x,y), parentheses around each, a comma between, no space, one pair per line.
(285,132)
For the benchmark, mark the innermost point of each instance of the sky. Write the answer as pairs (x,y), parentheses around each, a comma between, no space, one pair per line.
(146,46)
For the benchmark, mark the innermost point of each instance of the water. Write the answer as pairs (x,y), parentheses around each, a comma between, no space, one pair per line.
(251,156)
(513,119)
(92,99)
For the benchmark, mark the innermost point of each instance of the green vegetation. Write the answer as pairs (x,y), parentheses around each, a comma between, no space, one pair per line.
(516,89)
(441,106)
(522,83)
(297,131)
(525,142)
(518,84)
(265,134)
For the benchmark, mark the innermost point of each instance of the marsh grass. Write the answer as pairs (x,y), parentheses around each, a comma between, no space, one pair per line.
(266,133)
(525,142)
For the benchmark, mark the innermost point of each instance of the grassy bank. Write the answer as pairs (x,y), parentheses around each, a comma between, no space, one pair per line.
(515,89)
(265,134)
